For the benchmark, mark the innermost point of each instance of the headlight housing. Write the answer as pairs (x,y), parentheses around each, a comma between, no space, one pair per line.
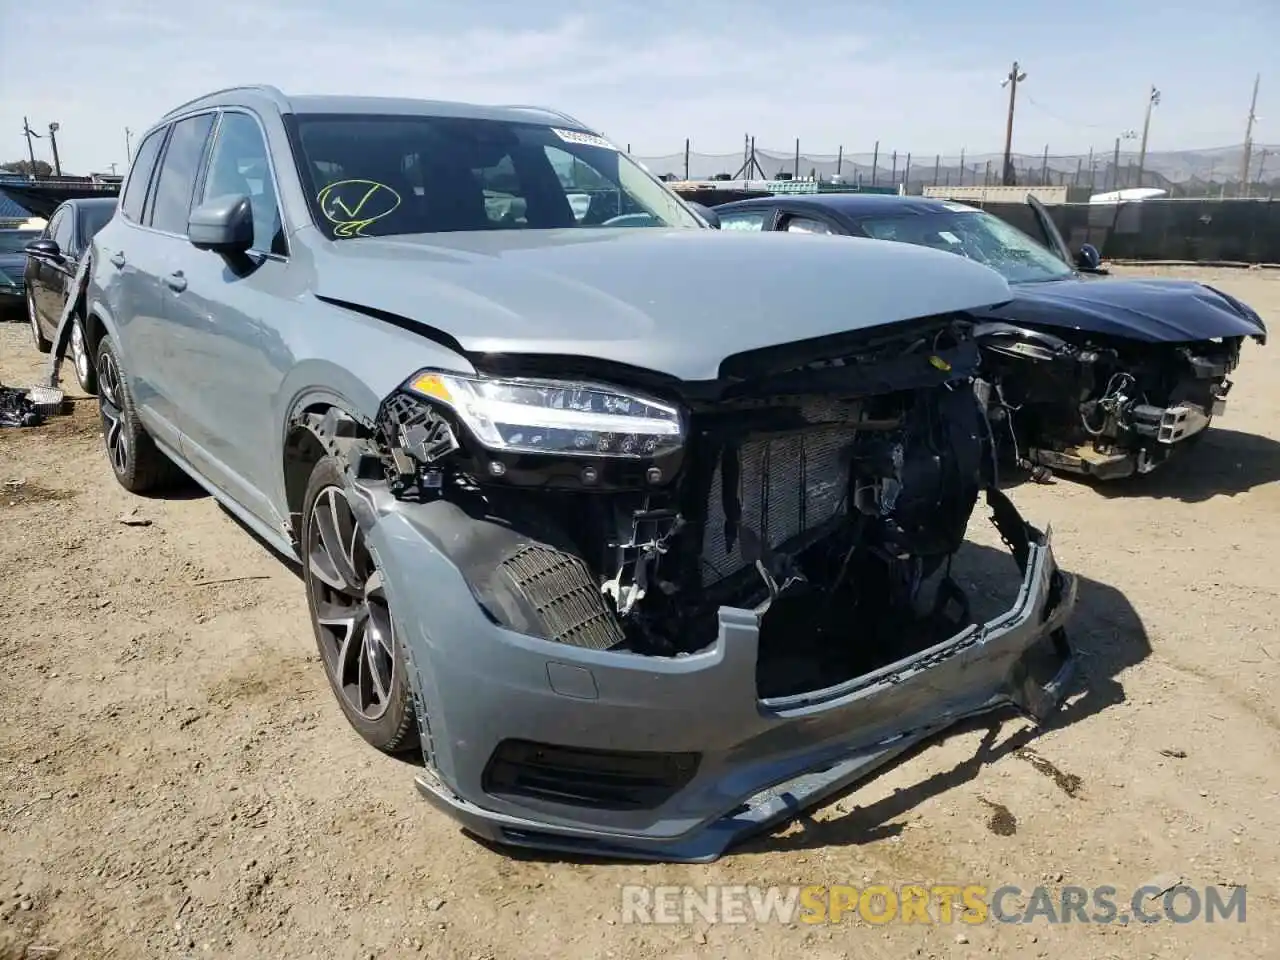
(556,417)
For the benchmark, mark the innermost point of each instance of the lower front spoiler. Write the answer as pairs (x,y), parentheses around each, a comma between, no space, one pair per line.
(1162,431)
(1035,627)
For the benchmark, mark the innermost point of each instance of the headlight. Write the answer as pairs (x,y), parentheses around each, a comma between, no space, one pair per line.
(555,416)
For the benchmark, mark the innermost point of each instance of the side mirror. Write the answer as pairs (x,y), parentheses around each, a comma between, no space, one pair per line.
(44,248)
(222,225)
(707,214)
(1088,259)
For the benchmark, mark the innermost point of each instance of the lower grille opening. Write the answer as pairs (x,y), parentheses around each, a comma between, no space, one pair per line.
(602,779)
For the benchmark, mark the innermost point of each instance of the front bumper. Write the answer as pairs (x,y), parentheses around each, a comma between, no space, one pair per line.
(1159,431)
(479,686)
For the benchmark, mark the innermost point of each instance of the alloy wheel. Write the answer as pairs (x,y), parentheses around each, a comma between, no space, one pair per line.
(354,620)
(111,407)
(79,355)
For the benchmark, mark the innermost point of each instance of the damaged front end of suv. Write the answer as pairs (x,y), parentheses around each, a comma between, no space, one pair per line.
(1106,407)
(646,616)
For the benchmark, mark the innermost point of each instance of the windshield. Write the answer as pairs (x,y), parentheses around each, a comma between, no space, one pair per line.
(12,241)
(976,235)
(377,176)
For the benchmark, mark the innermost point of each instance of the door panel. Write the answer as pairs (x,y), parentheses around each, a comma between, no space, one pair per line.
(229,359)
(45,275)
(158,249)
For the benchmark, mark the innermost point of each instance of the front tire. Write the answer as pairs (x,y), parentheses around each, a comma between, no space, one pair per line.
(351,617)
(138,464)
(43,343)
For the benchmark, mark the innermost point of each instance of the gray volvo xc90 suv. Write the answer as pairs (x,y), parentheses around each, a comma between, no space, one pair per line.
(639,532)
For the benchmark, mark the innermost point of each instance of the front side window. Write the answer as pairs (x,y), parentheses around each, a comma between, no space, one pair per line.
(238,166)
(62,231)
(172,204)
(743,221)
(144,162)
(978,236)
(370,176)
(54,222)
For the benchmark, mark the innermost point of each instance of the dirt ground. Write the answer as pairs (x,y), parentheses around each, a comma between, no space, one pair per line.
(176,779)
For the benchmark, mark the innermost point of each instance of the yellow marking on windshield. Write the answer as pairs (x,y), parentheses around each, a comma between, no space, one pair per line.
(351,205)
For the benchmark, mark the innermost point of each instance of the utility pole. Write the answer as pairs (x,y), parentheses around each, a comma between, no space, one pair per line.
(1152,100)
(128,148)
(1248,139)
(31,150)
(53,143)
(1015,77)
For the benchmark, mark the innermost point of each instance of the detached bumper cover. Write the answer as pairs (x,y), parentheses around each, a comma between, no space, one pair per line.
(480,686)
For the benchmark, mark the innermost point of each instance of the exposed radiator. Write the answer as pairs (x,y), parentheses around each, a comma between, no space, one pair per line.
(788,485)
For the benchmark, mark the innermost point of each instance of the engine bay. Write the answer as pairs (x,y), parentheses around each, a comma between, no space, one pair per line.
(821,496)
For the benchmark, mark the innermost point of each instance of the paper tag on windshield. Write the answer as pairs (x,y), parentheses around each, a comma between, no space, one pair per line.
(949,236)
(587,139)
(958,207)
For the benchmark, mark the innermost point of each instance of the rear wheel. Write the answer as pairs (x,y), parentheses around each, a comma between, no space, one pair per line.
(351,617)
(138,464)
(43,343)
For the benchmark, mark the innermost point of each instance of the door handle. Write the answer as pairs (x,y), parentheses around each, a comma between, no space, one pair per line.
(117,259)
(176,281)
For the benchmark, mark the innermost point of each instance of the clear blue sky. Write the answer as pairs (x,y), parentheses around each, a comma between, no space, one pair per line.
(917,75)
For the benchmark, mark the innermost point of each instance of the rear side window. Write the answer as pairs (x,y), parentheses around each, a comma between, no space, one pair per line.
(743,221)
(172,204)
(806,225)
(144,162)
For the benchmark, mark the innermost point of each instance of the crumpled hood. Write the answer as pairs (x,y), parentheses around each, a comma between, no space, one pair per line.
(673,301)
(1151,310)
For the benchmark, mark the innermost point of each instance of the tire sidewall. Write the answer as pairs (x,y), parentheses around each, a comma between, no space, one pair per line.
(128,419)
(89,380)
(394,731)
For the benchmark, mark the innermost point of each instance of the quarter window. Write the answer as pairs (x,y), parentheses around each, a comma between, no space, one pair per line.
(238,166)
(172,204)
(144,162)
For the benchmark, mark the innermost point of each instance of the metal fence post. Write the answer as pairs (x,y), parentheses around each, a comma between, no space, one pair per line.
(875,162)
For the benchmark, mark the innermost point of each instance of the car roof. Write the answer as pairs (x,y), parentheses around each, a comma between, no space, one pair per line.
(855,206)
(267,97)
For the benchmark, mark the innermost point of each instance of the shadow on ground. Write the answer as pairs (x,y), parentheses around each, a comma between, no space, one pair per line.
(1223,464)
(1109,637)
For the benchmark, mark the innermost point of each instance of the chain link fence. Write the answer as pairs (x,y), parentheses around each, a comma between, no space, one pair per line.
(1213,173)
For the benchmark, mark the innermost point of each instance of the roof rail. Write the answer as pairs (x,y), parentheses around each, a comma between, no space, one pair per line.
(264,88)
(551,110)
